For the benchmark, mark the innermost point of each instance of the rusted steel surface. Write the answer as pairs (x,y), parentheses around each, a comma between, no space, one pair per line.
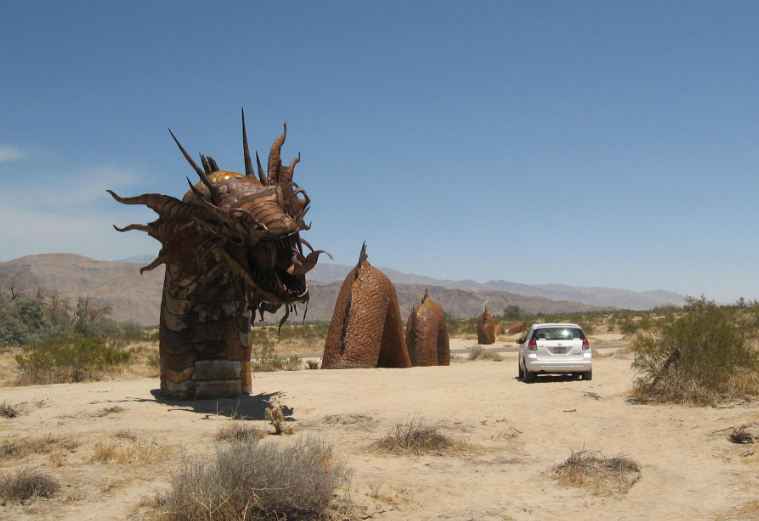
(231,248)
(516,327)
(485,329)
(427,334)
(366,328)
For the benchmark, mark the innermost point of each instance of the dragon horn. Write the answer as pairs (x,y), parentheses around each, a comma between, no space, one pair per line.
(203,177)
(248,163)
(274,156)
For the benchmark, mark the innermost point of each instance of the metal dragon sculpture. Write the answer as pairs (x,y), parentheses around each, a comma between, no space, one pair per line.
(366,328)
(427,334)
(485,328)
(231,247)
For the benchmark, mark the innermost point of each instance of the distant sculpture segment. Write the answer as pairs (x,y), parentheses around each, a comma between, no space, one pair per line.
(231,247)
(427,334)
(485,329)
(366,328)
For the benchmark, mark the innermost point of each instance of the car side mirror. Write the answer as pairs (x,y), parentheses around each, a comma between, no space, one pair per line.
(520,340)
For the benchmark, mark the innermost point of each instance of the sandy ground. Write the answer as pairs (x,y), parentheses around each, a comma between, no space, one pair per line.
(518,431)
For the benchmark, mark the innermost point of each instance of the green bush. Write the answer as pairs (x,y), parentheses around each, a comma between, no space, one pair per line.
(701,355)
(74,359)
(249,481)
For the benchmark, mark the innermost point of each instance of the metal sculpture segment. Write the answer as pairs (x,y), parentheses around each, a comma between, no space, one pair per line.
(366,328)
(485,329)
(427,334)
(231,247)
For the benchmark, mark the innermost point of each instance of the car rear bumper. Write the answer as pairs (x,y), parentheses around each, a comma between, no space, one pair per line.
(557,366)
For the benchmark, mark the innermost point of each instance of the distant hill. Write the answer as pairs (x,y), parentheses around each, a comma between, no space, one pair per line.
(603,297)
(138,297)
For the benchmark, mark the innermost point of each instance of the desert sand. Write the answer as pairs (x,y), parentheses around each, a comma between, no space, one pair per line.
(516,432)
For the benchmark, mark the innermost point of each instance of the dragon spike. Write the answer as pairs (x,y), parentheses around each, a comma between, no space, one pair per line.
(275,159)
(213,164)
(363,256)
(203,177)
(292,165)
(261,175)
(245,150)
(206,164)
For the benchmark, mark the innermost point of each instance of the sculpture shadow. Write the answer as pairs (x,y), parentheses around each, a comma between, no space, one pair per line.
(243,407)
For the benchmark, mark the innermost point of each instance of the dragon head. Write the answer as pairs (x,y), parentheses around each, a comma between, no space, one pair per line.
(239,228)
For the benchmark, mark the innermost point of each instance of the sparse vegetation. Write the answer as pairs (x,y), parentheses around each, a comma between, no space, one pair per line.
(128,449)
(480,353)
(75,359)
(247,481)
(419,438)
(266,360)
(27,483)
(598,474)
(702,355)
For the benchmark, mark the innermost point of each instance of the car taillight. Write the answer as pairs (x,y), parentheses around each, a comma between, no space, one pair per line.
(585,343)
(533,345)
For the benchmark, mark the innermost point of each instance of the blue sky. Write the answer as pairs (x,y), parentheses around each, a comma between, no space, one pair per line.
(599,143)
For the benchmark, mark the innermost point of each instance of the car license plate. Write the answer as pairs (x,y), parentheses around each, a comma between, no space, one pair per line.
(559,350)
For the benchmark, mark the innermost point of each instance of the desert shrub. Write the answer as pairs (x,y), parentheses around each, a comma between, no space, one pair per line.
(7,410)
(599,474)
(480,353)
(237,430)
(75,359)
(312,364)
(27,483)
(514,311)
(701,355)
(419,438)
(257,481)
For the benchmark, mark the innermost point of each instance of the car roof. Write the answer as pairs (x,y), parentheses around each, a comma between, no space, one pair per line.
(562,324)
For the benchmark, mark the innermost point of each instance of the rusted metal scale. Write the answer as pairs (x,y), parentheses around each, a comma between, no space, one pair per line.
(427,334)
(485,329)
(516,327)
(232,248)
(366,328)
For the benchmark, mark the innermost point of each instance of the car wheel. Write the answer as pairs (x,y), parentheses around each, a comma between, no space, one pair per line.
(587,375)
(521,372)
(529,376)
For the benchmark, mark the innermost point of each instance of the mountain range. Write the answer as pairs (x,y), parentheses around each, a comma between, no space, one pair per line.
(132,296)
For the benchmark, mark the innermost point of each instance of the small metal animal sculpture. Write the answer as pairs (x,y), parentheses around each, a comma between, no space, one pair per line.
(485,329)
(427,334)
(499,330)
(231,247)
(516,327)
(366,326)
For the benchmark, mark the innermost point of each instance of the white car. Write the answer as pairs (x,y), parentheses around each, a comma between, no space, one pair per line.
(555,349)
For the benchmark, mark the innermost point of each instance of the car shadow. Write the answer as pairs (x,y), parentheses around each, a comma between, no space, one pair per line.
(553,378)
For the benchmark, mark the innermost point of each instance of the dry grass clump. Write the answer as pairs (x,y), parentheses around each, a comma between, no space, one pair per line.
(27,483)
(312,364)
(238,430)
(480,353)
(127,449)
(257,481)
(21,448)
(7,410)
(419,438)
(601,475)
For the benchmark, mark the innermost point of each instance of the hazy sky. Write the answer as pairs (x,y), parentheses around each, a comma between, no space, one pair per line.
(585,143)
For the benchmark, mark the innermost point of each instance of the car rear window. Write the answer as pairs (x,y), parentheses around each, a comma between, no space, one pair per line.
(558,333)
